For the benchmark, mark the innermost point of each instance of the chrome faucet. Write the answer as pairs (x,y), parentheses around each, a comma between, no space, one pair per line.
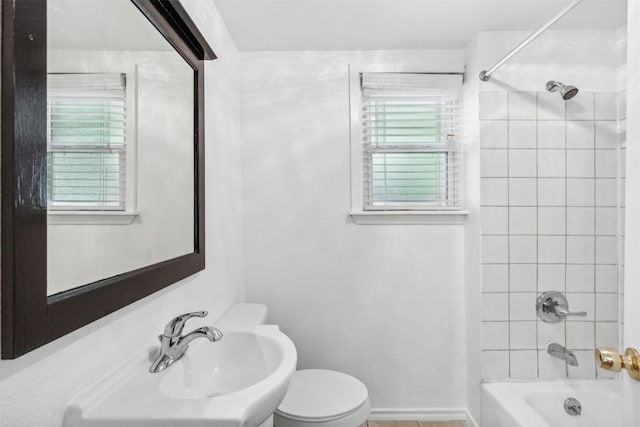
(556,350)
(173,344)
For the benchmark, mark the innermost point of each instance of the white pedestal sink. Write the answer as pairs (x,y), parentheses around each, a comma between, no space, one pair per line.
(235,382)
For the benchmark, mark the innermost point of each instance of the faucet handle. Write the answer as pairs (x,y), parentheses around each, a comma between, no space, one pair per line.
(563,310)
(175,326)
(552,307)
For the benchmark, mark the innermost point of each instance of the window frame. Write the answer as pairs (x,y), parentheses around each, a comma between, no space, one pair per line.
(357,197)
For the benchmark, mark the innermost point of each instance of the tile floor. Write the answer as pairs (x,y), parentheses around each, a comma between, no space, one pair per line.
(414,424)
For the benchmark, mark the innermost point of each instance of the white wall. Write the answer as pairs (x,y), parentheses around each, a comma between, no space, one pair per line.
(632,249)
(385,303)
(35,388)
(472,245)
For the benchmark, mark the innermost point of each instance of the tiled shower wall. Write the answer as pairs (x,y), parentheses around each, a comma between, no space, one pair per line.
(550,221)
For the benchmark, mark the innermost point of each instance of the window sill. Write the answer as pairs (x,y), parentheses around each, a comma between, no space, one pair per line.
(90,218)
(410,217)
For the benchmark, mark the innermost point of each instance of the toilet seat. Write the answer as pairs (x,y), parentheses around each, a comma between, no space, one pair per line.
(322,396)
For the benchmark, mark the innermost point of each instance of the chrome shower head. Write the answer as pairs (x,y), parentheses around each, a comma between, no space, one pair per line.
(567,92)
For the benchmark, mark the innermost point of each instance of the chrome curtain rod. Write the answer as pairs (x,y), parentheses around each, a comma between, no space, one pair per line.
(485,76)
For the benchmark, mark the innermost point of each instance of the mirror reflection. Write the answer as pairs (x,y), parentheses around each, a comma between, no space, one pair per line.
(120,140)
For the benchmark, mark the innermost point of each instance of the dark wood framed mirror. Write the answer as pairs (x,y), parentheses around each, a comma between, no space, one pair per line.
(32,316)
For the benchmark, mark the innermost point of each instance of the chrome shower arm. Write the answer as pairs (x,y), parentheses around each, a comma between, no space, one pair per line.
(486,75)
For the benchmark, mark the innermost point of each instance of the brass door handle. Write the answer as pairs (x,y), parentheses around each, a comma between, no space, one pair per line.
(610,359)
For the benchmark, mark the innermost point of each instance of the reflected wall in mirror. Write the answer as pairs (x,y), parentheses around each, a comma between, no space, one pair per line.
(120,129)
(102,152)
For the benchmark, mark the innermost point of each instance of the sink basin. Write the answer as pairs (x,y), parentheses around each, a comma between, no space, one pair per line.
(238,361)
(237,381)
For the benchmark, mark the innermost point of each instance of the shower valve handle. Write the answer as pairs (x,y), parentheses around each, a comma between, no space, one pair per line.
(564,311)
(552,307)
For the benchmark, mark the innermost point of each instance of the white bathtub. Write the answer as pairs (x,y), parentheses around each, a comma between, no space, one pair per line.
(541,404)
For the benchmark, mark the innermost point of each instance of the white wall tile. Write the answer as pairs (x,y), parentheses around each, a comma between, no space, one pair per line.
(522,249)
(606,192)
(522,105)
(495,335)
(522,306)
(607,221)
(522,335)
(524,364)
(551,191)
(606,307)
(580,134)
(551,249)
(494,134)
(580,221)
(586,369)
(495,249)
(580,163)
(580,107)
(551,277)
(551,368)
(494,163)
(580,278)
(622,135)
(580,301)
(522,134)
(606,106)
(551,220)
(606,250)
(550,106)
(495,220)
(580,336)
(495,307)
(494,191)
(495,364)
(606,334)
(606,135)
(580,249)
(551,134)
(550,332)
(606,163)
(606,278)
(551,163)
(580,192)
(522,163)
(493,105)
(522,277)
(522,192)
(561,195)
(522,220)
(495,277)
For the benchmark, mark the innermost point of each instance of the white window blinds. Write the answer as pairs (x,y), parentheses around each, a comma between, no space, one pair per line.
(86,141)
(411,157)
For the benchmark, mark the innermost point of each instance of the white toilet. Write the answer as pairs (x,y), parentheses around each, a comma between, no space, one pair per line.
(323,398)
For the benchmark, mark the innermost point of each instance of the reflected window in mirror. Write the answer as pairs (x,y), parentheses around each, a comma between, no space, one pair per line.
(87,129)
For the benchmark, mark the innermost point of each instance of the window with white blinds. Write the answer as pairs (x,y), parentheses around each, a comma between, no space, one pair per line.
(411,155)
(86,141)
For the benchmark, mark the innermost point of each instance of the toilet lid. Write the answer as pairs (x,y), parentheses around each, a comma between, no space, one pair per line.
(322,394)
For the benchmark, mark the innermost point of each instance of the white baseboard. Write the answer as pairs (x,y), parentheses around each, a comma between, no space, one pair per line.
(421,414)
